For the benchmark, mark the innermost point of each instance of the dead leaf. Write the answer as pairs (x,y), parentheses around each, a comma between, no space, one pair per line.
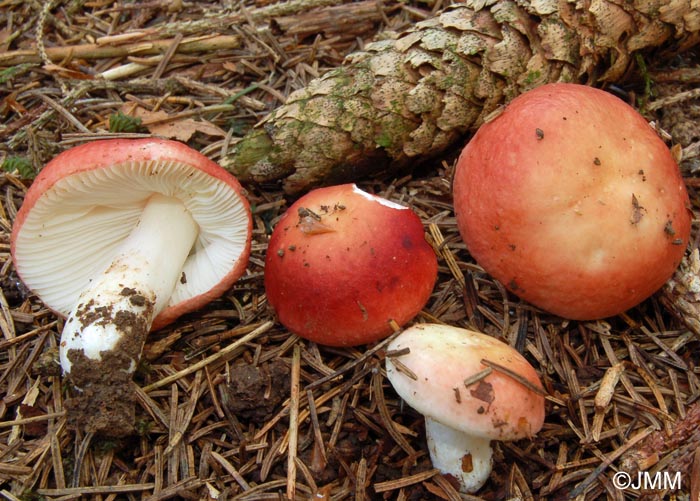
(162,124)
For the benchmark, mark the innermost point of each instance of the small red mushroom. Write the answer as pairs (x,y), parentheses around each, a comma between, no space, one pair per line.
(122,237)
(572,201)
(342,263)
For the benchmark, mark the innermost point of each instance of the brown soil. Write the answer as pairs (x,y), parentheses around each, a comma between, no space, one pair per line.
(254,392)
(103,397)
(105,401)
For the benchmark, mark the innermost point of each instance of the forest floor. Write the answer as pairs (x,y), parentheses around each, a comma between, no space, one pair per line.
(278,417)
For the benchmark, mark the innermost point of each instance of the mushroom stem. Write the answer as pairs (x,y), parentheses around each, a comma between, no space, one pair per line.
(465,457)
(104,334)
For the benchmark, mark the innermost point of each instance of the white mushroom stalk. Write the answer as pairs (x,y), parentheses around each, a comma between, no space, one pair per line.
(121,303)
(466,457)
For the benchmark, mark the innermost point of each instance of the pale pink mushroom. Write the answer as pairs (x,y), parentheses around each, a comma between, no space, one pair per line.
(447,374)
(124,236)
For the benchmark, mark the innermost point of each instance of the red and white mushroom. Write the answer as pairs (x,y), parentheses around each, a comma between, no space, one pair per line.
(122,237)
(572,201)
(342,263)
(447,374)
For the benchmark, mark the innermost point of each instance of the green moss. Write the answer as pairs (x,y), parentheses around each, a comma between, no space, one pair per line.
(384,139)
(648,82)
(18,164)
(396,105)
(393,131)
(119,122)
(254,147)
(532,77)
(9,73)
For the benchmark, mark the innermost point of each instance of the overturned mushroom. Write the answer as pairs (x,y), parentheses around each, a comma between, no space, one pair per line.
(122,237)
(471,388)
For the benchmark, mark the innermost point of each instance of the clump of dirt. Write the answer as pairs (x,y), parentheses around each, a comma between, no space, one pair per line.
(256,391)
(104,400)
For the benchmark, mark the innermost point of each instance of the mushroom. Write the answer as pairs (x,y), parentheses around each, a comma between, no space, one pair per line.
(342,264)
(471,388)
(572,201)
(122,237)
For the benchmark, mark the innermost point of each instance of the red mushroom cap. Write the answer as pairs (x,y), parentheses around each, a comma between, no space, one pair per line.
(88,198)
(571,200)
(342,263)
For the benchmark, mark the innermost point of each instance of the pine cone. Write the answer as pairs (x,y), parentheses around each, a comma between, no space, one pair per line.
(408,99)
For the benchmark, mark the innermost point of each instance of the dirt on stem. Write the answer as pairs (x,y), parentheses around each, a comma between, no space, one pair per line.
(103,398)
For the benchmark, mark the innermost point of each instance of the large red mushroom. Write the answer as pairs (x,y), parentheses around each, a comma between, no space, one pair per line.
(342,264)
(122,237)
(573,202)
